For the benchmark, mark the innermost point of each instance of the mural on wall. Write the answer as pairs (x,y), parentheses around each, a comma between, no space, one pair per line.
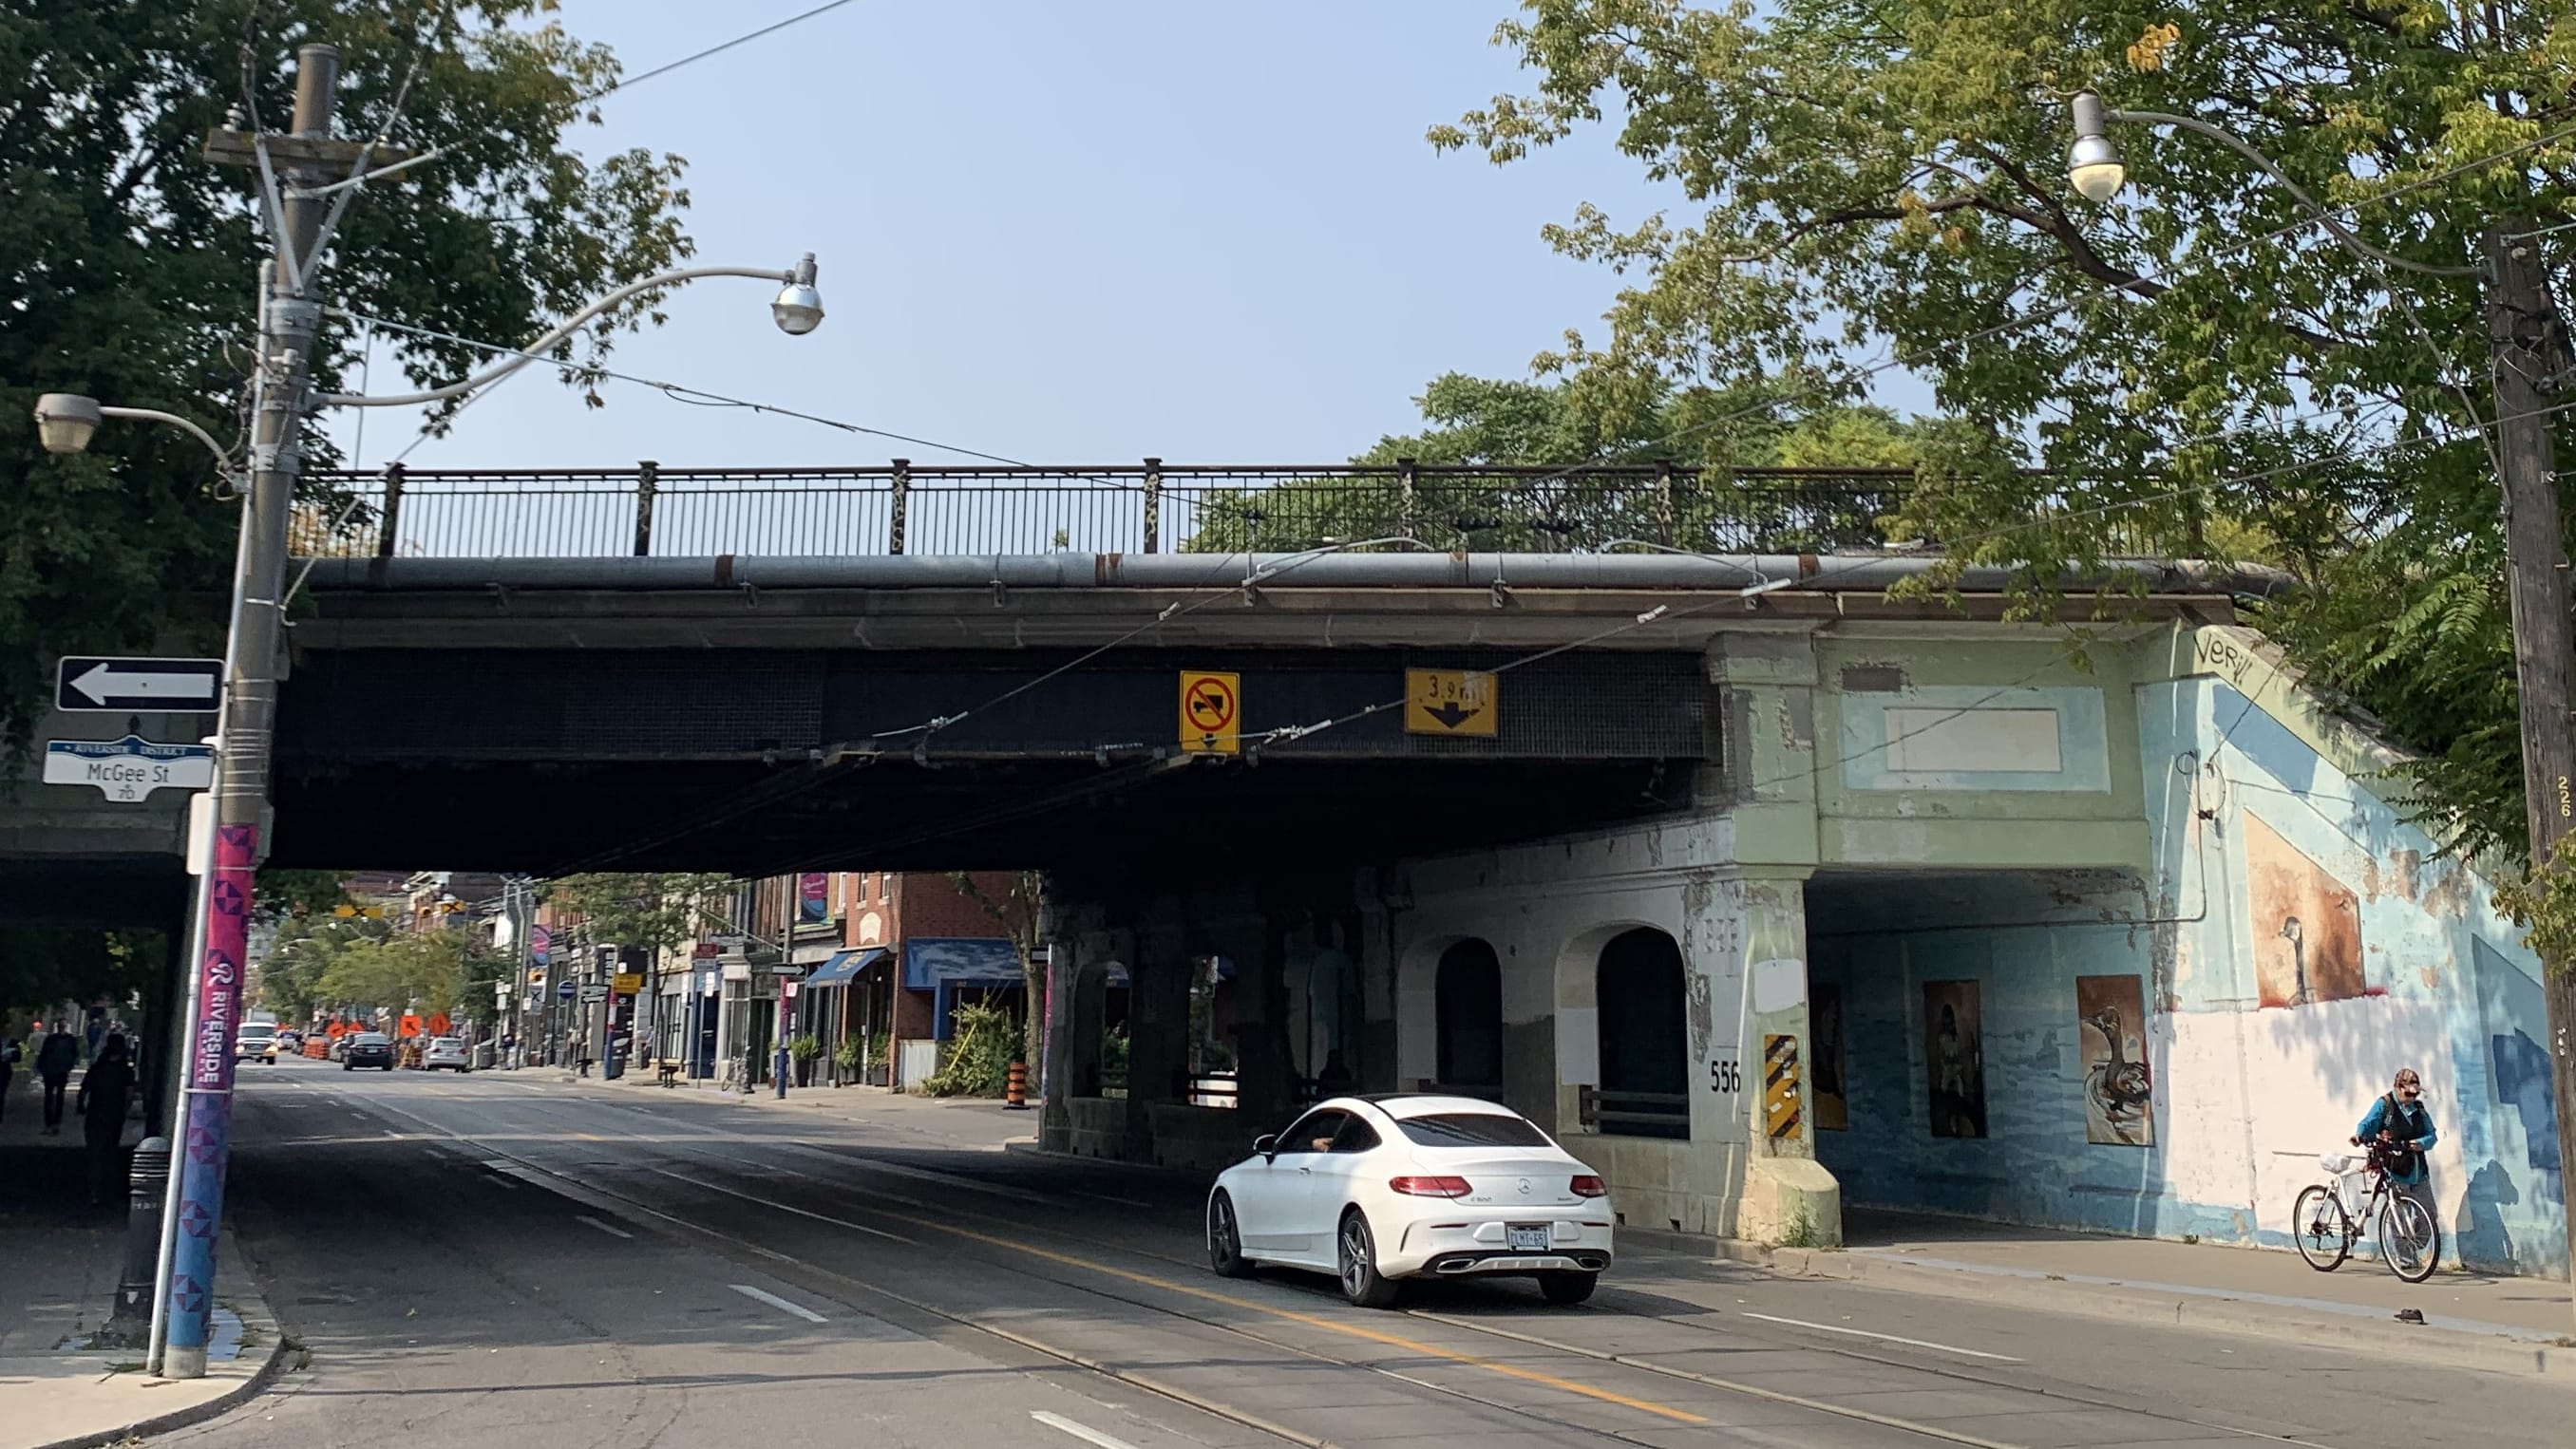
(2307,924)
(1825,1023)
(1954,1058)
(2111,1021)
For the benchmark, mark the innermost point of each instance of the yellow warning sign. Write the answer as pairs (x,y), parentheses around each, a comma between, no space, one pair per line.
(627,982)
(1211,712)
(1780,1086)
(1449,702)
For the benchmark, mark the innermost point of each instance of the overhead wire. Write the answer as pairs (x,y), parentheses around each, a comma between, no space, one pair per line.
(1776,399)
(1292,733)
(623,83)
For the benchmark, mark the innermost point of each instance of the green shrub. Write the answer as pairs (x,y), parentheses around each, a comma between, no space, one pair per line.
(979,1054)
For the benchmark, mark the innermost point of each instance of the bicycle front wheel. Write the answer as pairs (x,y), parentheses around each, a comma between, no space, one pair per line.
(2409,1240)
(2321,1228)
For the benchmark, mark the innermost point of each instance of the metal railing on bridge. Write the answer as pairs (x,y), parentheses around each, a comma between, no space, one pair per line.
(1147,507)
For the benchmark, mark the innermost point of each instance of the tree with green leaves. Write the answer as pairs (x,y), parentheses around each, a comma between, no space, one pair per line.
(302,953)
(1019,908)
(2194,367)
(130,262)
(1478,423)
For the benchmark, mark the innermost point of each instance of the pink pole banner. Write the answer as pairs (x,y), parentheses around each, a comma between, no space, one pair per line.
(227,947)
(207,1121)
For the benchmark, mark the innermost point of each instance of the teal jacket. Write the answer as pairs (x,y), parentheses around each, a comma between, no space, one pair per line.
(2410,1123)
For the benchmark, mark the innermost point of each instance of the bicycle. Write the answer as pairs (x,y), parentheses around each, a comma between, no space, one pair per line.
(2327,1223)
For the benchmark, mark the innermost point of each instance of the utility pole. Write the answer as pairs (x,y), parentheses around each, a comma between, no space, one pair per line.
(290,315)
(2529,357)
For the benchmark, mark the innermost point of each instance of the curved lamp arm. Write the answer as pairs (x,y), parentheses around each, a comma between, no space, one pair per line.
(2343,234)
(155,415)
(535,350)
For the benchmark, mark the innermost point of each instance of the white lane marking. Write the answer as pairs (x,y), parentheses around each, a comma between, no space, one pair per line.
(774,1301)
(1882,1337)
(1104,1197)
(603,1227)
(358,1116)
(1083,1432)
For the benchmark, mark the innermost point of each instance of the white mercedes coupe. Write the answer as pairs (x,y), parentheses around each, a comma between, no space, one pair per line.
(1379,1189)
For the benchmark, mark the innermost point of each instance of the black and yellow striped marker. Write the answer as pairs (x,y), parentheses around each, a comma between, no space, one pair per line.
(1780,1085)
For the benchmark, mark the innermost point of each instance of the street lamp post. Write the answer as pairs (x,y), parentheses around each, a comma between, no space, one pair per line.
(290,317)
(2525,342)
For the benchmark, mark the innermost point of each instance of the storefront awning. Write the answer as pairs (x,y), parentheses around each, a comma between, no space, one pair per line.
(959,961)
(844,965)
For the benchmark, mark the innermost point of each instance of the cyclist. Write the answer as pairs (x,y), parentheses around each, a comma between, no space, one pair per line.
(2398,1129)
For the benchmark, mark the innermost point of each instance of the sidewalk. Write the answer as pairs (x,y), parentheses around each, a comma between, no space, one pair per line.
(56,1389)
(2527,1324)
(981,1122)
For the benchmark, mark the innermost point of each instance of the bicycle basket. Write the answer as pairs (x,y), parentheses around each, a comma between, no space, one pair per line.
(2338,1162)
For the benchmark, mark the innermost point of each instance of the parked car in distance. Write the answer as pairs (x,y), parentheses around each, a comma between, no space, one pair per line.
(289,1041)
(366,1049)
(255,1041)
(445,1053)
(1379,1189)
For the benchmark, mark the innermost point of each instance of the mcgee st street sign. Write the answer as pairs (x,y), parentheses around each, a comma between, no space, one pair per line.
(118,686)
(130,769)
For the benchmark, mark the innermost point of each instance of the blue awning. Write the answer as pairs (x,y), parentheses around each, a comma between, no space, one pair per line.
(843,966)
(959,961)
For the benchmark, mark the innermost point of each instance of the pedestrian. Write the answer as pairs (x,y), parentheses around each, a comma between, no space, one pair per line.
(106,1090)
(54,1063)
(8,1065)
(97,1034)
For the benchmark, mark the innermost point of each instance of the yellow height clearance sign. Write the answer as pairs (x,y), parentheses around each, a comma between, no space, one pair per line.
(1449,702)
(1211,713)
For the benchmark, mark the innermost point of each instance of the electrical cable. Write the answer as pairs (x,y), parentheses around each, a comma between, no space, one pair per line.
(587,98)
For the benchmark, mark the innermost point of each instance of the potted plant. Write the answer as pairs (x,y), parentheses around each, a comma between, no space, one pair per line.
(852,1058)
(805,1049)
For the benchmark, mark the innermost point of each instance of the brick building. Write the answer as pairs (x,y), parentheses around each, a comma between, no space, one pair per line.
(915,947)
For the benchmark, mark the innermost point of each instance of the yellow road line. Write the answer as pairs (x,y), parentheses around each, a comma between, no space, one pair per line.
(1350,1330)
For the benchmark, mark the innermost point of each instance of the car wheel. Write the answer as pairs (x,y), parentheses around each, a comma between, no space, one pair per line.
(1567,1287)
(1225,1240)
(1362,1283)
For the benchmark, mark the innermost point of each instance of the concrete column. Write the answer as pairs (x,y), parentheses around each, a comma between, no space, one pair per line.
(1759,1063)
(1058,1073)
(1158,1025)
(1765,690)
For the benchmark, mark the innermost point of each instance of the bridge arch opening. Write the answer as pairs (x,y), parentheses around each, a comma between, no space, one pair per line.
(1467,990)
(1639,983)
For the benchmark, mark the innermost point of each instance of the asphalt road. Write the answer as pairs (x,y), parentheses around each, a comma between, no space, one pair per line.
(504,1257)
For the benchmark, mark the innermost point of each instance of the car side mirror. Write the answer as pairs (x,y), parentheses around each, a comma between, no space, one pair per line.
(1266,1144)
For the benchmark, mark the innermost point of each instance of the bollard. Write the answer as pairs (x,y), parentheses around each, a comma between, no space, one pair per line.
(1016,1094)
(145,1182)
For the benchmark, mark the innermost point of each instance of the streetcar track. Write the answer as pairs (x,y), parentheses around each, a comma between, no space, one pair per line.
(1958,1373)
(1128,1376)
(1671,1414)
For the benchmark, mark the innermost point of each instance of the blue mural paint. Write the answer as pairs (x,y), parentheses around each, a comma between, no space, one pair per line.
(2244,1097)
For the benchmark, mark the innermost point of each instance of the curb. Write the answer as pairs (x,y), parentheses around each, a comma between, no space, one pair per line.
(1029,1147)
(224,1403)
(2456,1343)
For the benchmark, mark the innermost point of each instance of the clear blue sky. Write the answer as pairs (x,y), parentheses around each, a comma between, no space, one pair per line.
(1069,233)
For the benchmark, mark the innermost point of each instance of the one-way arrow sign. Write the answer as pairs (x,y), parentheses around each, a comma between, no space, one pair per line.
(122,686)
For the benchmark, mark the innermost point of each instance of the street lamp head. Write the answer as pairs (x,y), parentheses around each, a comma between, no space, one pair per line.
(65,421)
(2093,162)
(798,308)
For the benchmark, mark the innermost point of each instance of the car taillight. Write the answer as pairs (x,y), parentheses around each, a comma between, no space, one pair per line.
(1586,1185)
(1431,1186)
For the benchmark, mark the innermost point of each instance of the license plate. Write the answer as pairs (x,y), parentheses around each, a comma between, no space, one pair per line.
(1526,1240)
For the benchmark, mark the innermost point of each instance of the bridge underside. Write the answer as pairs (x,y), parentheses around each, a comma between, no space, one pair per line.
(754,761)
(1179,819)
